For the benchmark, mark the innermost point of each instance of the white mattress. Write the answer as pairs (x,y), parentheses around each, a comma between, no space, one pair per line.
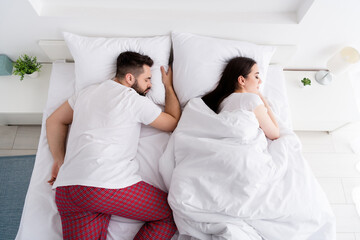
(40,219)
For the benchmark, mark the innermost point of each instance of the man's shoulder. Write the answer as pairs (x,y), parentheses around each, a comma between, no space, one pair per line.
(143,100)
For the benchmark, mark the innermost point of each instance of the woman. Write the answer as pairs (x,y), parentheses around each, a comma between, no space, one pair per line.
(238,89)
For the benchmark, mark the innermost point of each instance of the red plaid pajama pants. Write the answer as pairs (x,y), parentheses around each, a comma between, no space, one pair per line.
(85,211)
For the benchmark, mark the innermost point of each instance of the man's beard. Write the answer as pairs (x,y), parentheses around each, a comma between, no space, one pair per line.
(136,87)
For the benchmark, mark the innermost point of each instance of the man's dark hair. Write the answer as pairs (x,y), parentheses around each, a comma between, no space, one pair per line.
(131,62)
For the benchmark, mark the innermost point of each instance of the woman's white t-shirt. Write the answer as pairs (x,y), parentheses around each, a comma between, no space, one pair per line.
(104,135)
(240,101)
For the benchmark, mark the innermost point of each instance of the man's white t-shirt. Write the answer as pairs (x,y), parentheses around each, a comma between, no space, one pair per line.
(104,135)
(240,101)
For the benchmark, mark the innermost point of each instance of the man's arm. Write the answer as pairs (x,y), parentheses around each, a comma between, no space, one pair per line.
(167,120)
(57,126)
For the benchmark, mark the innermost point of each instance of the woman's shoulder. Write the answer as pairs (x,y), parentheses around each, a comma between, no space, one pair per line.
(254,100)
(242,101)
(250,100)
(246,96)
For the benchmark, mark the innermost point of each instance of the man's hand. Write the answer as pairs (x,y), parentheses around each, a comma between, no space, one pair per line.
(54,172)
(167,78)
(167,121)
(57,126)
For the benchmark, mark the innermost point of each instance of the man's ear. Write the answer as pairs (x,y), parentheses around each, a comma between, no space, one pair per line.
(241,80)
(129,78)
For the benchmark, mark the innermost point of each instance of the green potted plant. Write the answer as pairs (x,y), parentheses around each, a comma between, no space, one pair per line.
(26,65)
(305,82)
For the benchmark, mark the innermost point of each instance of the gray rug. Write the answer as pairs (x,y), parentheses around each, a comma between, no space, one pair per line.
(15,173)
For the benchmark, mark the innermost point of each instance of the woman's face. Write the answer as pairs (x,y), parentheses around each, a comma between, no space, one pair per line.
(252,81)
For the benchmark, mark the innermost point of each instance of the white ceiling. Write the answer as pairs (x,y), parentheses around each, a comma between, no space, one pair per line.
(256,11)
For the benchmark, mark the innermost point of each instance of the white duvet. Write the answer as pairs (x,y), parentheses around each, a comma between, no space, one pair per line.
(227,181)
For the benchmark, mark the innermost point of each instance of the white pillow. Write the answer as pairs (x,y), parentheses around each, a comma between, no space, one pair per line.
(95,59)
(199,62)
(61,87)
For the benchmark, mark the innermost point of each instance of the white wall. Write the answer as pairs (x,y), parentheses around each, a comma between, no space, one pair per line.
(328,25)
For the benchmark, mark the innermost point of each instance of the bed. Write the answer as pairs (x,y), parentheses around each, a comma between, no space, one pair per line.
(40,219)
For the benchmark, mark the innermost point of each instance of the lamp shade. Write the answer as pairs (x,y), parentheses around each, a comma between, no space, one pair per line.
(342,60)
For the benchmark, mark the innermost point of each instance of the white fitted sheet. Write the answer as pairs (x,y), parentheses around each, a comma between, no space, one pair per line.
(40,219)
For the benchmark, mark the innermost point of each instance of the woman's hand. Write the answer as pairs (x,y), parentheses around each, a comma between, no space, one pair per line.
(262,98)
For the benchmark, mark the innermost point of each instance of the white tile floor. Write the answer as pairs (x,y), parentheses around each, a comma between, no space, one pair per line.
(334,164)
(19,140)
(329,155)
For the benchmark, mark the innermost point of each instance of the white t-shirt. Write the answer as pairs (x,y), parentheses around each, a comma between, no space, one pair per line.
(240,101)
(104,135)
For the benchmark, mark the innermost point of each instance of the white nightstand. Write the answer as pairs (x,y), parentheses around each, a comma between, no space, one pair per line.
(23,102)
(320,107)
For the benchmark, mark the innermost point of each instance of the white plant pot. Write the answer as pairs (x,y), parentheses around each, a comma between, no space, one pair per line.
(33,75)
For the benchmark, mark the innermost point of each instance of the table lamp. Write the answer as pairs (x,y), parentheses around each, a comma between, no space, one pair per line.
(338,64)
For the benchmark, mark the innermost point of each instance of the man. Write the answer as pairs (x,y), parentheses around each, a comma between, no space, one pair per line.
(98,177)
